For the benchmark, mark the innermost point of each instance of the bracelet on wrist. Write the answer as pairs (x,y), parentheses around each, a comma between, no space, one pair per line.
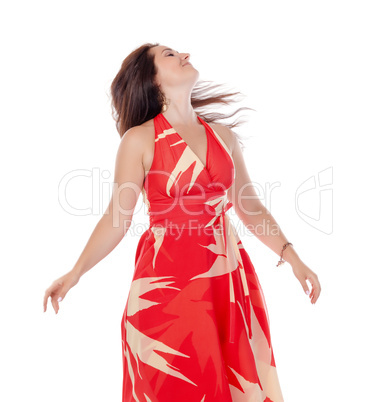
(283,248)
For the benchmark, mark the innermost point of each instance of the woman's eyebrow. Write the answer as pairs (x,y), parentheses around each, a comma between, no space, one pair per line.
(169,49)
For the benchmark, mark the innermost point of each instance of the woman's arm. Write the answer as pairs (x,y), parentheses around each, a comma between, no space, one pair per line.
(128,182)
(260,221)
(113,225)
(254,215)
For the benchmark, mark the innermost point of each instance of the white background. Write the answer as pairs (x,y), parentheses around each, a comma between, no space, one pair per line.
(318,76)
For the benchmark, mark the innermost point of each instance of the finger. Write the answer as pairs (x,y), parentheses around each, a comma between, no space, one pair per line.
(54,295)
(305,286)
(317,289)
(45,301)
(316,294)
(57,303)
(313,294)
(59,297)
(48,293)
(313,282)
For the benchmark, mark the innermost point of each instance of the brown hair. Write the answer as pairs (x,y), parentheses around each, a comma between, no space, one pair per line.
(137,99)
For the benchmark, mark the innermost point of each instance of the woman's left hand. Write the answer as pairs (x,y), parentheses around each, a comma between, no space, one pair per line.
(303,273)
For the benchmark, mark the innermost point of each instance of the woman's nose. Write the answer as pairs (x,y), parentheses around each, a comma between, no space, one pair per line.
(185,56)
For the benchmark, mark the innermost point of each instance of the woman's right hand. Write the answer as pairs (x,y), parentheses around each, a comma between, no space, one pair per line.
(59,288)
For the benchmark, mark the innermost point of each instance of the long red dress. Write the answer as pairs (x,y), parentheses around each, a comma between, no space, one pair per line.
(195,326)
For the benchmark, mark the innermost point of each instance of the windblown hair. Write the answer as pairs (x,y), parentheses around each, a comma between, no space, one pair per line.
(136,98)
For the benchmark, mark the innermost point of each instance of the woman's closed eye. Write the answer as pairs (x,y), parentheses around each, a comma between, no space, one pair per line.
(171,53)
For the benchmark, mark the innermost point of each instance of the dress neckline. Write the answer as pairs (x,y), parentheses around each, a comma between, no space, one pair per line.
(206,165)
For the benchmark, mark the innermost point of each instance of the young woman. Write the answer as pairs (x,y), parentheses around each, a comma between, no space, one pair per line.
(195,326)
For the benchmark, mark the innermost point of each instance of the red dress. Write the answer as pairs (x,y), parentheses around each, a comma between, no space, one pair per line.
(195,326)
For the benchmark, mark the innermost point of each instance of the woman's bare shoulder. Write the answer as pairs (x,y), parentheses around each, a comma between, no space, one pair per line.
(142,137)
(143,128)
(226,134)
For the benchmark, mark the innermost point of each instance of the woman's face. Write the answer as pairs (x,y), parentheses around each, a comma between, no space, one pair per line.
(173,69)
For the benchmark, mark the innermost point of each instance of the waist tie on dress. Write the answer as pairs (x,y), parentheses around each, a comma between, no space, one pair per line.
(172,214)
